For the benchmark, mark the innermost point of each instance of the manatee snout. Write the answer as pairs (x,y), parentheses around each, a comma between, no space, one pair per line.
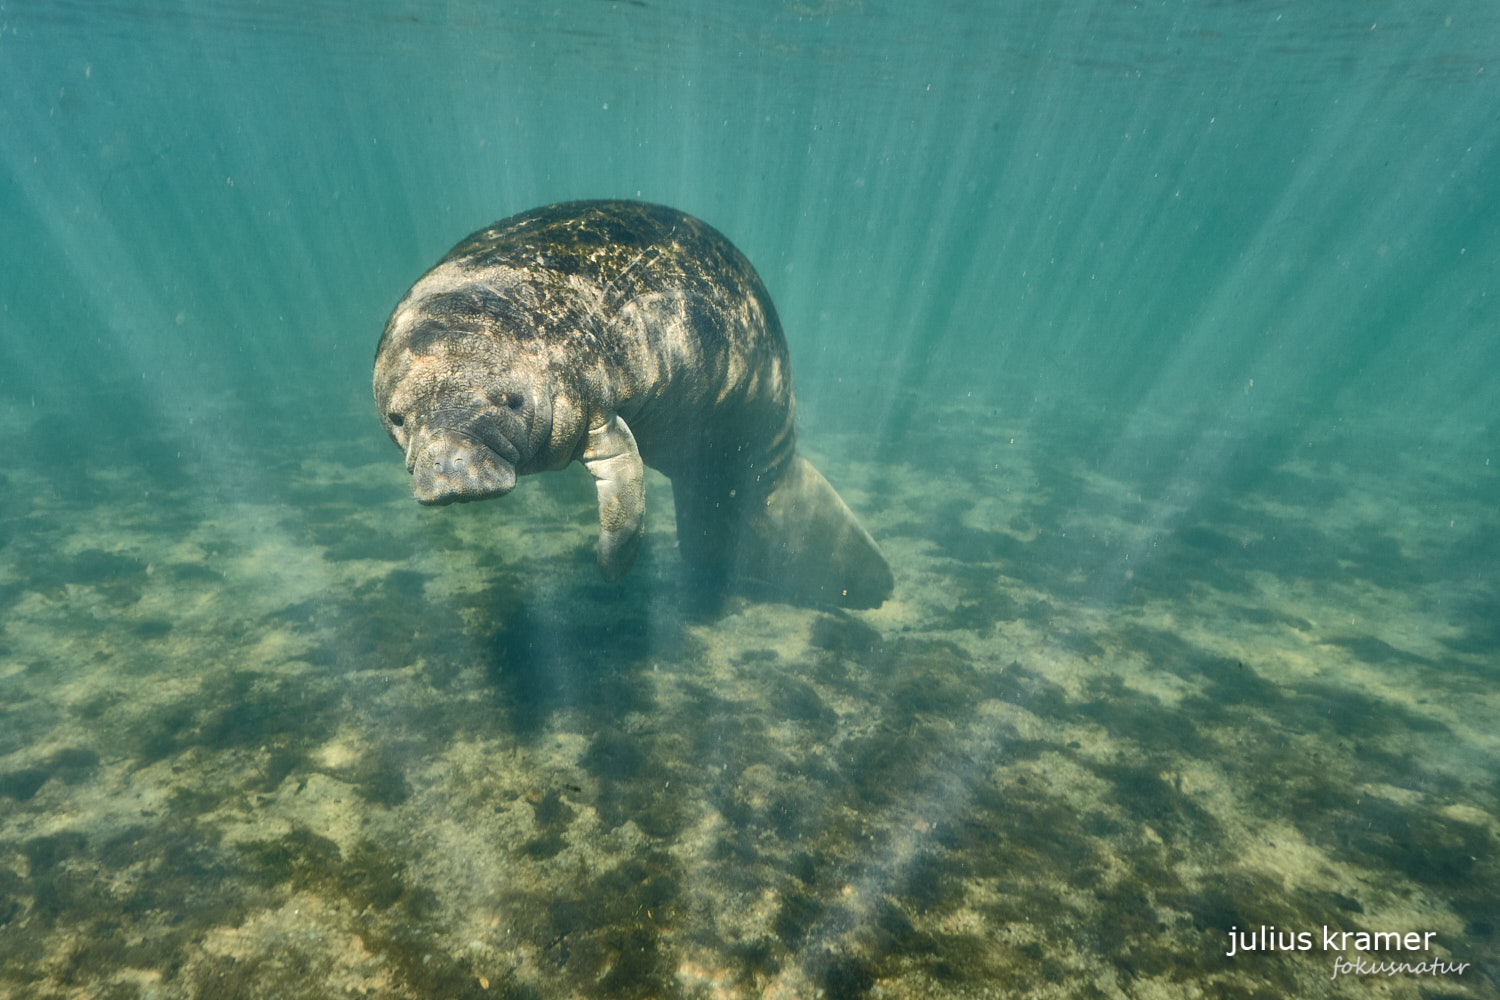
(449,466)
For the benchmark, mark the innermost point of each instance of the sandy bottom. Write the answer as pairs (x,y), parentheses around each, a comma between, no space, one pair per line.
(274,731)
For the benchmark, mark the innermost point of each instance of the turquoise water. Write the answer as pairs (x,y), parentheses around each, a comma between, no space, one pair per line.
(1156,344)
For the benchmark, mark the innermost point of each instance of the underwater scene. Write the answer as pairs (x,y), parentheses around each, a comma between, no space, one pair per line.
(1155,346)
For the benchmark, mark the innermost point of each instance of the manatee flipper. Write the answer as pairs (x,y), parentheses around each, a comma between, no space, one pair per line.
(801,540)
(611,457)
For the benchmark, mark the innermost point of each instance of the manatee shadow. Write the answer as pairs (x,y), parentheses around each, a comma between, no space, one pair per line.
(1479,621)
(581,649)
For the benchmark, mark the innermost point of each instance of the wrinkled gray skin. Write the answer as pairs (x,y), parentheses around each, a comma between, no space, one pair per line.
(617,333)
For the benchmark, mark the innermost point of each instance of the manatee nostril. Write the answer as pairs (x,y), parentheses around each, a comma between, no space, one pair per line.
(395,418)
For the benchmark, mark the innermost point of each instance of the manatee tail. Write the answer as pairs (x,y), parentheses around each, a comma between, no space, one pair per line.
(801,540)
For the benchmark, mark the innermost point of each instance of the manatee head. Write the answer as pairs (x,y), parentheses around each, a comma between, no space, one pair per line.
(459,393)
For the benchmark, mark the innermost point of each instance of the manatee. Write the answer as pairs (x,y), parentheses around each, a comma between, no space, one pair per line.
(619,334)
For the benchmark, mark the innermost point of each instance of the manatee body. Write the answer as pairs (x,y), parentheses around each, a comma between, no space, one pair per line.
(617,333)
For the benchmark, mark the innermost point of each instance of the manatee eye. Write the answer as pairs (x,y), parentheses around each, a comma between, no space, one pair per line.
(395,418)
(512,400)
